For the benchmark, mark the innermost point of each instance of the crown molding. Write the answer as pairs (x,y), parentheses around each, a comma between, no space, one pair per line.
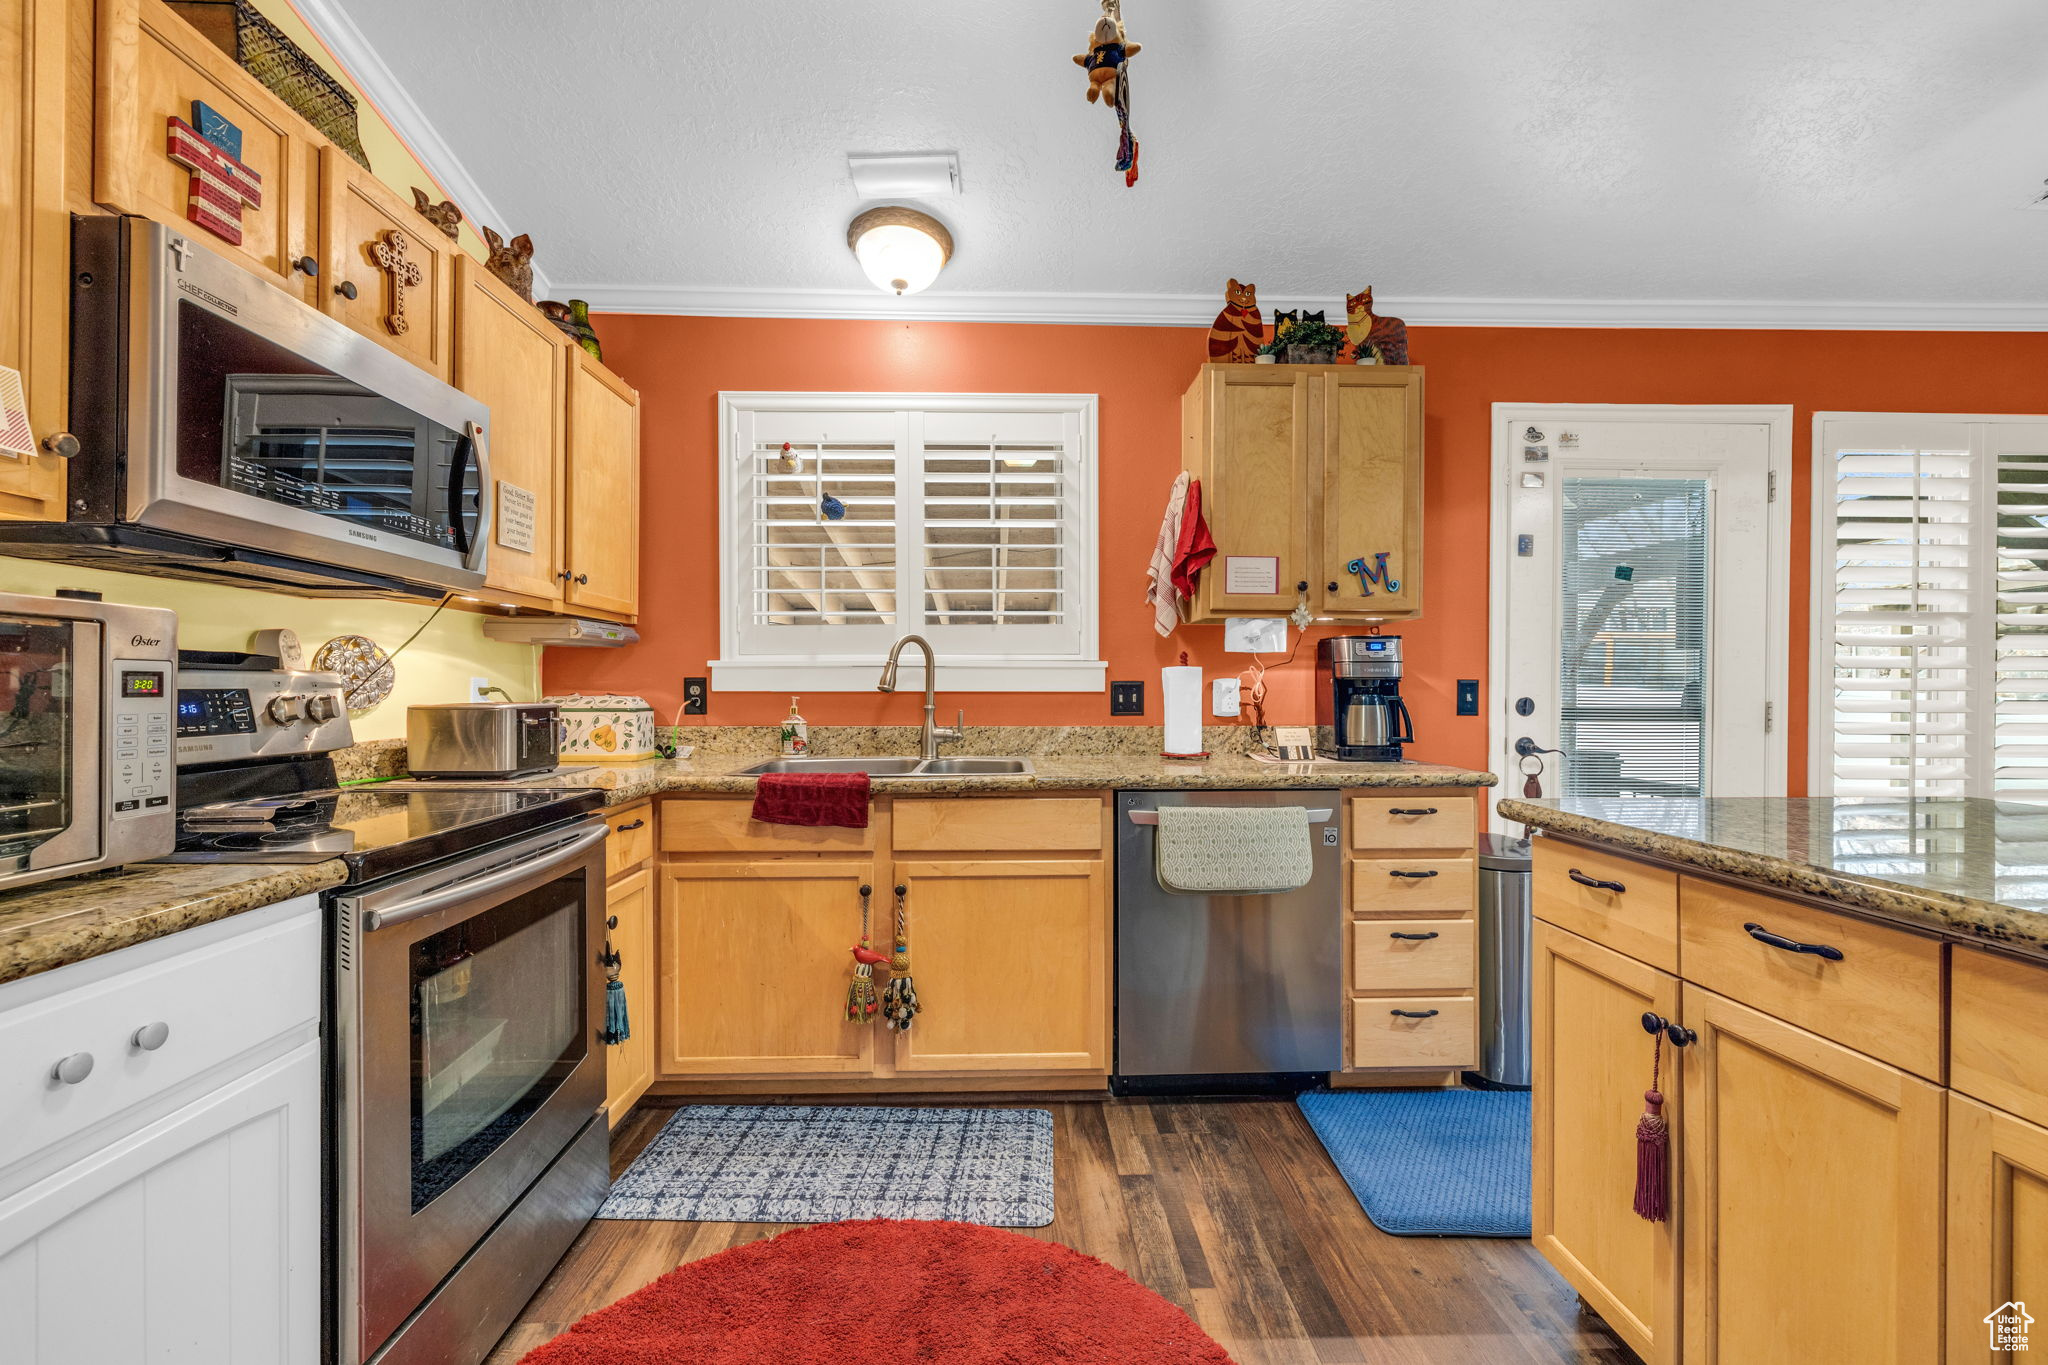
(1198,310)
(347,45)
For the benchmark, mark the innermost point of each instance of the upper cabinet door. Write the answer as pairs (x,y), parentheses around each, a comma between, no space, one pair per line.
(386,272)
(509,356)
(263,202)
(604,489)
(1370,486)
(1247,429)
(35,245)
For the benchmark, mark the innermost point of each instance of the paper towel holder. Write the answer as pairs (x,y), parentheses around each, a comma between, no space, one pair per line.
(1198,755)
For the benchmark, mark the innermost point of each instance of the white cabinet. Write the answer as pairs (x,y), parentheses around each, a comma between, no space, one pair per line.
(180,1223)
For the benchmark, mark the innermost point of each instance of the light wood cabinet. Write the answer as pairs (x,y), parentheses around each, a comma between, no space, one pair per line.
(1812,1197)
(603,478)
(35,246)
(511,358)
(629,1066)
(1304,469)
(386,272)
(1591,1061)
(1997,1239)
(1009,962)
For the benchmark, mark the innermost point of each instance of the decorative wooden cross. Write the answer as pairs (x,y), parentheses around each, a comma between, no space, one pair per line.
(389,254)
(221,186)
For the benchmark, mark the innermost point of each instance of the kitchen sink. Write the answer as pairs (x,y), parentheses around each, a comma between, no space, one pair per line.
(974,767)
(896,767)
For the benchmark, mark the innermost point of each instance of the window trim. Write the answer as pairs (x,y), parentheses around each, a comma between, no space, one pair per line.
(734,671)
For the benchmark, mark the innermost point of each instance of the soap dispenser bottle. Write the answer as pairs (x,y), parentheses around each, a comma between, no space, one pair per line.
(796,733)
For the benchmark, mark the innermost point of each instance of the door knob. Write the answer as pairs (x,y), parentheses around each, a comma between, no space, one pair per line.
(1528,748)
(62,444)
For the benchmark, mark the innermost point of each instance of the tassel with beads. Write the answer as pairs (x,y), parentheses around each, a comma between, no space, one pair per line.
(860,992)
(899,997)
(1653,1147)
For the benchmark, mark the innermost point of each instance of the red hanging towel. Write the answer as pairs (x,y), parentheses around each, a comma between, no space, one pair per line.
(812,799)
(1197,547)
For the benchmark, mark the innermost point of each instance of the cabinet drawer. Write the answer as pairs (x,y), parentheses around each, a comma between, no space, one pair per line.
(1412,955)
(1012,824)
(1883,997)
(1408,886)
(1996,1052)
(1424,820)
(1635,913)
(218,999)
(632,837)
(1445,1036)
(729,826)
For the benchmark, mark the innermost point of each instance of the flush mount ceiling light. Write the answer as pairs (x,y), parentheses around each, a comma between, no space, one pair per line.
(899,249)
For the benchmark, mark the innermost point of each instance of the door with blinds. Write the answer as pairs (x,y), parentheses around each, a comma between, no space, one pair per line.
(1930,658)
(1635,645)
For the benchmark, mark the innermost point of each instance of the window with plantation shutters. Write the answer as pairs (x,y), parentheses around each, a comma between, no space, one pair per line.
(853,519)
(1931,607)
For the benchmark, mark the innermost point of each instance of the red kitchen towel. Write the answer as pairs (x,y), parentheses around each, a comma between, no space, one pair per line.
(812,799)
(1197,547)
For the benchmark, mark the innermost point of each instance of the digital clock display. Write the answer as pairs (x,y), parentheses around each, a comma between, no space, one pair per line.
(142,684)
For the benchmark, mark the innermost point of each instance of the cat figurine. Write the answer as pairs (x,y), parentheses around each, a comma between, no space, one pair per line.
(512,262)
(443,215)
(1386,338)
(1238,332)
(1283,323)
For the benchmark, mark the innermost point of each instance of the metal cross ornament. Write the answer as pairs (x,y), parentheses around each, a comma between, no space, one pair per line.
(389,254)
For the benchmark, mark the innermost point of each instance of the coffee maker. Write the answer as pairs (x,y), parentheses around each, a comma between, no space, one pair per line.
(1360,717)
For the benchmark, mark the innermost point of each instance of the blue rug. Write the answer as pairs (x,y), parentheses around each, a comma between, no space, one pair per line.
(803,1163)
(1431,1163)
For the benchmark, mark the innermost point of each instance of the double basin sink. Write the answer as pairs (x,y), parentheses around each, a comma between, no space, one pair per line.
(884,768)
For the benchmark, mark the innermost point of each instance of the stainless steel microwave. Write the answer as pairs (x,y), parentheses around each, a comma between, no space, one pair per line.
(86,734)
(227,430)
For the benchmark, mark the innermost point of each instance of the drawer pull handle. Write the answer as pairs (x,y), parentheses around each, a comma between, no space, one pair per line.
(1596,883)
(1418,938)
(150,1037)
(1791,945)
(1414,1014)
(634,825)
(73,1069)
(1417,876)
(1423,810)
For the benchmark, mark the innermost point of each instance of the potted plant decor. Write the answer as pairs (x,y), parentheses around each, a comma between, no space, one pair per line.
(1311,343)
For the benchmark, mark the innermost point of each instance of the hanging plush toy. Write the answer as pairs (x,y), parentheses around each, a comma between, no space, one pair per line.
(899,997)
(1109,79)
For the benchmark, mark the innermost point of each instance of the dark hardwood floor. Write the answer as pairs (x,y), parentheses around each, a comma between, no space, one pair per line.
(1229,1208)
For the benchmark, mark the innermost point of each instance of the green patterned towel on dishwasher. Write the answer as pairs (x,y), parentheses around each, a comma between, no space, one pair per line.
(1247,849)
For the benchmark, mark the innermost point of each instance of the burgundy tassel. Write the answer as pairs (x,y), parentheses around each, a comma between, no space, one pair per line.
(1653,1149)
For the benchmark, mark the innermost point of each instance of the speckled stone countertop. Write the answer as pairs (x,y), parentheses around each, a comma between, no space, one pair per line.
(74,918)
(1971,868)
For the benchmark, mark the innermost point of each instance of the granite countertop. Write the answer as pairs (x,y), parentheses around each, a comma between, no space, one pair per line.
(1969,868)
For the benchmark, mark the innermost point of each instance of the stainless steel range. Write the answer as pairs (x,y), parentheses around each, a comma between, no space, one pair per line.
(467,1146)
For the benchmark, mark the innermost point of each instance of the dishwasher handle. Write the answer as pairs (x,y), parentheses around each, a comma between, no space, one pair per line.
(1151,817)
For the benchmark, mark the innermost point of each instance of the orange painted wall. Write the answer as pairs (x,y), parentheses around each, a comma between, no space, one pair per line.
(680,364)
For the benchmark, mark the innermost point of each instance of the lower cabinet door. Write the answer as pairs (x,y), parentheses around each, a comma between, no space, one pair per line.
(1591,1064)
(629,1066)
(1813,1218)
(1997,1233)
(755,961)
(1011,965)
(194,1241)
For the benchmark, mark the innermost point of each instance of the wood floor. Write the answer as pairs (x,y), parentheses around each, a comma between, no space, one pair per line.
(1229,1208)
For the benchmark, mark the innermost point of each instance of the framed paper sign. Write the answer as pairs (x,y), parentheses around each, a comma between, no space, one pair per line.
(1251,575)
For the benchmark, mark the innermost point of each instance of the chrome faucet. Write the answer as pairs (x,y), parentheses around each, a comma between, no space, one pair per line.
(934,735)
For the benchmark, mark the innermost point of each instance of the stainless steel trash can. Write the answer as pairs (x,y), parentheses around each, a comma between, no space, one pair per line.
(1503,962)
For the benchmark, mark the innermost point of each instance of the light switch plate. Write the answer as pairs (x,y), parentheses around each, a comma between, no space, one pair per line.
(1223,696)
(1255,635)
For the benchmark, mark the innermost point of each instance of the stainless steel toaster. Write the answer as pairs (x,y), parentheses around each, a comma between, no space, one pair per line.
(483,739)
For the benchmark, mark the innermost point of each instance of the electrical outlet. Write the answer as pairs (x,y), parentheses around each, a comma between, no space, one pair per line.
(1223,696)
(1468,696)
(476,689)
(1127,699)
(696,695)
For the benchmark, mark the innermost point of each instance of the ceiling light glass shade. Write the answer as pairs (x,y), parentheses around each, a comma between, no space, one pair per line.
(899,249)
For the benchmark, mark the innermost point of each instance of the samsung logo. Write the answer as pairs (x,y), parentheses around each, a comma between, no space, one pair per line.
(144,642)
(207,296)
(362,535)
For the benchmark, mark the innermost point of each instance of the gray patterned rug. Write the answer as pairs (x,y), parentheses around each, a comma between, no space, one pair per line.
(749,1163)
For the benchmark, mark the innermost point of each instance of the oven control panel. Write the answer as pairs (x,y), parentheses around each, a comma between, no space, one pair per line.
(139,769)
(232,715)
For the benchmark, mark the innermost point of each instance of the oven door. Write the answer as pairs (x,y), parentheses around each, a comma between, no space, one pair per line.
(51,814)
(467,1015)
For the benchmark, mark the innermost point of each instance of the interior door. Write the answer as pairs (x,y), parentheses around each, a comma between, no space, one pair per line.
(1637,617)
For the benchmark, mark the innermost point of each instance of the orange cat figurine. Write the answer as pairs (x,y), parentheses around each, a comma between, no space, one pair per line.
(1386,338)
(1238,331)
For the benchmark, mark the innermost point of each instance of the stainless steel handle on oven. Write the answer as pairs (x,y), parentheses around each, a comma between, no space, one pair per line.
(1151,817)
(459,892)
(486,500)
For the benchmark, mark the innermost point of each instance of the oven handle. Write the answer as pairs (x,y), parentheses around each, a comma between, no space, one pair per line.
(456,894)
(1151,817)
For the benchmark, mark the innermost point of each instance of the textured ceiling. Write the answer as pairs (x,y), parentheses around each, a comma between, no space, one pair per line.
(1870,152)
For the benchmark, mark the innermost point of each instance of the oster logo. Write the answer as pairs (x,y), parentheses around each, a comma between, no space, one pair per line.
(144,642)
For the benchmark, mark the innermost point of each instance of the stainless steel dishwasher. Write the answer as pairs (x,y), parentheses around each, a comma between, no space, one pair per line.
(1224,988)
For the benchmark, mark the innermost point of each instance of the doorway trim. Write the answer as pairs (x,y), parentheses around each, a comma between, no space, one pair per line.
(1778,417)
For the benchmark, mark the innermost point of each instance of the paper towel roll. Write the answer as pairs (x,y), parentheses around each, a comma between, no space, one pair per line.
(1180,702)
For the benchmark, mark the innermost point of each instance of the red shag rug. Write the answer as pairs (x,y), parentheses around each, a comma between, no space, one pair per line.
(886,1291)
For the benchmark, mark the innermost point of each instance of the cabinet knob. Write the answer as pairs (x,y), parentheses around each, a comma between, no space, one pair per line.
(563,575)
(62,444)
(582,578)
(73,1069)
(150,1037)
(347,289)
(611,921)
(1680,1035)
(1333,587)
(306,265)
